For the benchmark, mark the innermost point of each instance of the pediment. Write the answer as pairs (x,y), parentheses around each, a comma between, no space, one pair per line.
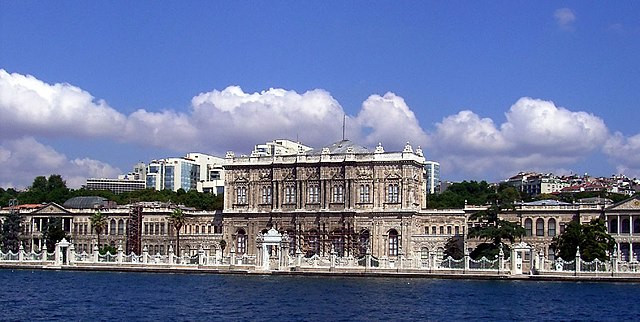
(51,208)
(629,204)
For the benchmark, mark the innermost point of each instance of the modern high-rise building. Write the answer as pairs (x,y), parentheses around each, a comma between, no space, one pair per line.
(198,171)
(432,176)
(279,147)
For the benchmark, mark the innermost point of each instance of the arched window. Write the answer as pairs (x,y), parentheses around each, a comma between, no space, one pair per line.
(528,226)
(392,193)
(424,253)
(197,229)
(393,242)
(241,239)
(552,227)
(613,225)
(440,252)
(120,227)
(539,227)
(112,227)
(363,242)
(625,226)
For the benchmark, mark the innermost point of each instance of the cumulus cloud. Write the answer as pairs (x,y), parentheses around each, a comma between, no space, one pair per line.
(388,119)
(215,122)
(537,135)
(624,152)
(25,158)
(564,17)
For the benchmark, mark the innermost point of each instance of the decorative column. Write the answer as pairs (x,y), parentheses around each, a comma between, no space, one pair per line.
(201,257)
(542,259)
(298,258)
(96,253)
(21,252)
(500,260)
(332,258)
(614,259)
(577,260)
(232,261)
(119,255)
(367,257)
(145,255)
(466,259)
(72,254)
(171,255)
(400,257)
(44,253)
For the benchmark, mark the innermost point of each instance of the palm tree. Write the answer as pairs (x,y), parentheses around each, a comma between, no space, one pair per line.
(99,223)
(177,219)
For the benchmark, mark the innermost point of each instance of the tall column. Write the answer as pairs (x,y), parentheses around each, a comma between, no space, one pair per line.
(631,251)
(630,225)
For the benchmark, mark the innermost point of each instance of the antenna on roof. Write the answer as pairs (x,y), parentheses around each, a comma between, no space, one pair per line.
(344,119)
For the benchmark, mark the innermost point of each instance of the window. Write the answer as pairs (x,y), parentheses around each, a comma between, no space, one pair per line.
(552,227)
(266,195)
(146,228)
(392,193)
(197,229)
(393,242)
(540,227)
(161,228)
(636,226)
(449,230)
(120,227)
(338,245)
(441,230)
(75,229)
(528,226)
(217,229)
(112,227)
(424,253)
(241,195)
(434,230)
(314,193)
(552,254)
(338,193)
(457,230)
(209,229)
(364,242)
(241,242)
(625,226)
(290,194)
(562,225)
(365,193)
(613,226)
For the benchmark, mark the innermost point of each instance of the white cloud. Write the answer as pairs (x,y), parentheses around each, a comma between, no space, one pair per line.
(30,106)
(624,152)
(537,135)
(388,119)
(564,17)
(25,158)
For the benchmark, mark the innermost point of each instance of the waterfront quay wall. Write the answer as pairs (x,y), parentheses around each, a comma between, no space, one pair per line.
(65,258)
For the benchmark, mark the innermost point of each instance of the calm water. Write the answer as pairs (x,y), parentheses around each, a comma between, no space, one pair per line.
(56,295)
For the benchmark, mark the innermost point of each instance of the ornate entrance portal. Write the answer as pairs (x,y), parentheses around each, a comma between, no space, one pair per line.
(273,250)
(519,253)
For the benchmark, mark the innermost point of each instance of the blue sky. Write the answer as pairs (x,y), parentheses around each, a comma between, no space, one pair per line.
(487,88)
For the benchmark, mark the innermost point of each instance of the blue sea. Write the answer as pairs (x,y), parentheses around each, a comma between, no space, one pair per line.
(108,296)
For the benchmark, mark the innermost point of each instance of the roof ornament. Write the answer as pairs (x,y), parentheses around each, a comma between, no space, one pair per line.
(230,155)
(419,151)
(325,151)
(379,148)
(407,148)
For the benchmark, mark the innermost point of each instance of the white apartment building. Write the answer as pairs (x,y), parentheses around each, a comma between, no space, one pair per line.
(194,171)
(432,177)
(279,147)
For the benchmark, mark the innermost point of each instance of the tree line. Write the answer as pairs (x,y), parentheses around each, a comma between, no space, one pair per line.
(54,189)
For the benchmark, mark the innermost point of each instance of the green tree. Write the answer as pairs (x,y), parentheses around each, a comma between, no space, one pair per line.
(454,248)
(593,239)
(53,232)
(494,231)
(11,229)
(99,223)
(177,220)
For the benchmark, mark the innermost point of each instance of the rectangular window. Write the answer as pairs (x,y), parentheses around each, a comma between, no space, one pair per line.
(434,230)
(457,230)
(393,193)
(448,230)
(338,193)
(441,230)
(266,195)
(146,228)
(314,195)
(161,228)
(290,194)
(241,195)
(365,193)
